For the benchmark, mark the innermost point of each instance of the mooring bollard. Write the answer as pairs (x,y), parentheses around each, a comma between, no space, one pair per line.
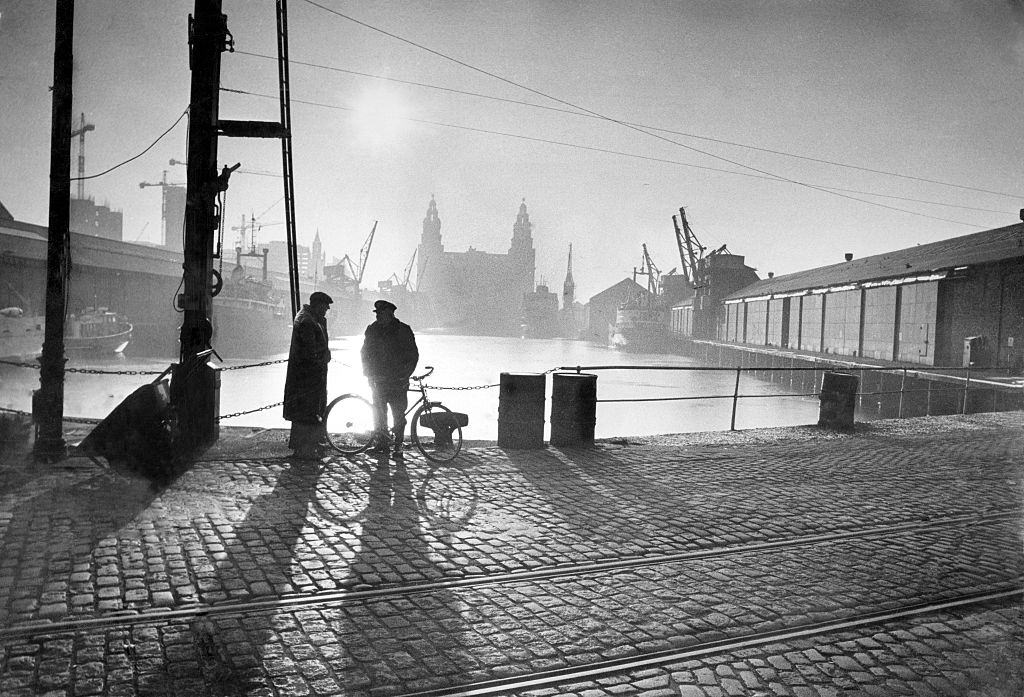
(573,408)
(838,400)
(521,410)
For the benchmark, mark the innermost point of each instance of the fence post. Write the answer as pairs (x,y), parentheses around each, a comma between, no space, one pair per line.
(903,384)
(967,386)
(928,399)
(735,399)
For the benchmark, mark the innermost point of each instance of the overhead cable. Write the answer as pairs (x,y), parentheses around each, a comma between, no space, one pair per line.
(131,159)
(622,123)
(576,112)
(648,158)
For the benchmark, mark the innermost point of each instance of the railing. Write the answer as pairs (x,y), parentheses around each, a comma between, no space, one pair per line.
(928,376)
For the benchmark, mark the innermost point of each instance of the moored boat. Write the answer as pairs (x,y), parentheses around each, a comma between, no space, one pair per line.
(97,331)
(641,325)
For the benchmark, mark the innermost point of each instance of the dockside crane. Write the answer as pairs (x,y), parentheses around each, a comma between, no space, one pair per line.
(407,274)
(691,251)
(648,269)
(347,273)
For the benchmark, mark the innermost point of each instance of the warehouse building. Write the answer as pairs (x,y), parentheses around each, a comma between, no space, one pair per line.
(957,302)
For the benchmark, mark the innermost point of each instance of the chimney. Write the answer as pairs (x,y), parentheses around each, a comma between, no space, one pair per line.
(771,274)
(849,257)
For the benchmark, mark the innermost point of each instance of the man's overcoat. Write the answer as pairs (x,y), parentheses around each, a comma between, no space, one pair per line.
(305,387)
(389,353)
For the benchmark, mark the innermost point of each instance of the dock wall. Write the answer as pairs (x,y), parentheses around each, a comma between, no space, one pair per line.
(884,392)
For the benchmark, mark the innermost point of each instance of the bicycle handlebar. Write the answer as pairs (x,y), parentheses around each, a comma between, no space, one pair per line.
(421,378)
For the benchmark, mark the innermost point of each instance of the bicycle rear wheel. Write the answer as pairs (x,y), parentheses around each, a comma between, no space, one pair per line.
(349,424)
(436,433)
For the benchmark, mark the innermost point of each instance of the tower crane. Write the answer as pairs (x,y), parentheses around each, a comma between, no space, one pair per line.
(164,185)
(80,132)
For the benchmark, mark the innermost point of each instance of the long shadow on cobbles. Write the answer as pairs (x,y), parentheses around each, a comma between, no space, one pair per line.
(62,543)
(346,647)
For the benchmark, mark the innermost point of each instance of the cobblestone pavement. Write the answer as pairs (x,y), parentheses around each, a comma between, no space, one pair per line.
(254,574)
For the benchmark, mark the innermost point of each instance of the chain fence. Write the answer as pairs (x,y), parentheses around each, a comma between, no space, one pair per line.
(262,364)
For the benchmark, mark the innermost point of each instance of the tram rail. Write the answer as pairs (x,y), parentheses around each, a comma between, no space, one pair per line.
(333,598)
(597,669)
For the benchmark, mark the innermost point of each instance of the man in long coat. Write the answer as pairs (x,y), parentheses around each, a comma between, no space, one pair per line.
(305,386)
(389,356)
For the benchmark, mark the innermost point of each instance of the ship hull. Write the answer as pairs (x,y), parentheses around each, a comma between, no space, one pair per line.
(249,328)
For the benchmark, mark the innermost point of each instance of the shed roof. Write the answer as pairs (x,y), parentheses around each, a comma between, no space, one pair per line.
(983,247)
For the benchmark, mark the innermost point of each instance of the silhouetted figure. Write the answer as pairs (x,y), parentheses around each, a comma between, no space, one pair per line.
(389,357)
(305,387)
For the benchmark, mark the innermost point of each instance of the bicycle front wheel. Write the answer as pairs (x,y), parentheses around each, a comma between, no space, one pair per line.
(436,433)
(349,424)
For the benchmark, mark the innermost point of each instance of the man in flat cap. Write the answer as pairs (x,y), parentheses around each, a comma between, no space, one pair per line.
(389,358)
(305,387)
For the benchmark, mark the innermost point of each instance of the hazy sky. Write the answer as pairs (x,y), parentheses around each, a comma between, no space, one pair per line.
(929,89)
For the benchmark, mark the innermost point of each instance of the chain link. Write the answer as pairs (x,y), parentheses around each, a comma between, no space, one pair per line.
(19,364)
(97,371)
(251,411)
(253,365)
(471,387)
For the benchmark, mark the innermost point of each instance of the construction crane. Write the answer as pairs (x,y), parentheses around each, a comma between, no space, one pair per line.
(80,132)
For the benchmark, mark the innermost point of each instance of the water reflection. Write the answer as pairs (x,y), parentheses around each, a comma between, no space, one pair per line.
(463,362)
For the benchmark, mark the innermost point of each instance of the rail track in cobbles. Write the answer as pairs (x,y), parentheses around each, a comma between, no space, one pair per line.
(645,621)
(300,601)
(843,566)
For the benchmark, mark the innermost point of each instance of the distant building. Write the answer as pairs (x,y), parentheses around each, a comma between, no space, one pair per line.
(540,314)
(87,218)
(601,308)
(696,312)
(571,318)
(475,292)
(956,302)
(173,217)
(277,259)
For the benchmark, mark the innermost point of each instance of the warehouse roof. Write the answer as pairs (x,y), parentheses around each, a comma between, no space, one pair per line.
(913,262)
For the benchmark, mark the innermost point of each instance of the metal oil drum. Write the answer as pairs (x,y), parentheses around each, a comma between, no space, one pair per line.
(521,410)
(573,408)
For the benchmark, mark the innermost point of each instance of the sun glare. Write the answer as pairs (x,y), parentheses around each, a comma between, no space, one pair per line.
(379,117)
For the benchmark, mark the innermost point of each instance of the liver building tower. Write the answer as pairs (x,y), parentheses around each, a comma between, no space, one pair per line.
(474,292)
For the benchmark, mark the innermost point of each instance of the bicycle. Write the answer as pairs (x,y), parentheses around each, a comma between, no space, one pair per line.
(436,430)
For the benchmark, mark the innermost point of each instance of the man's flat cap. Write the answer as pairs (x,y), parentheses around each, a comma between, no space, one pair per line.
(384,305)
(320,297)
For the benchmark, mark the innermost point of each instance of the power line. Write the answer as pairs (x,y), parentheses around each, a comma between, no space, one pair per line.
(574,112)
(131,159)
(621,123)
(620,153)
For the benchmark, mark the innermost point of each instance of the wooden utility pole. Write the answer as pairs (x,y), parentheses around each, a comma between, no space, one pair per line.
(195,386)
(48,401)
